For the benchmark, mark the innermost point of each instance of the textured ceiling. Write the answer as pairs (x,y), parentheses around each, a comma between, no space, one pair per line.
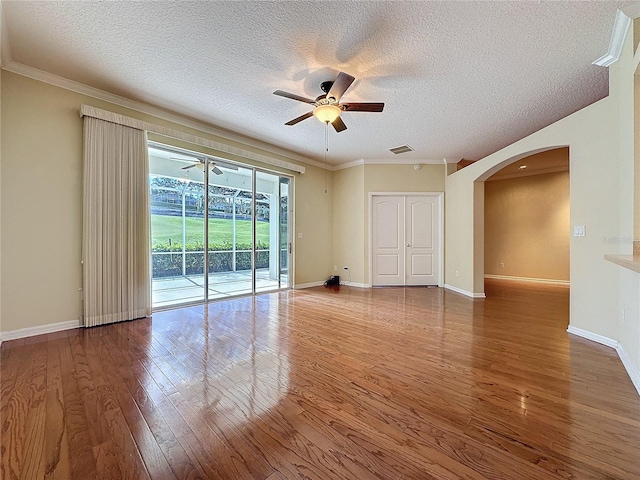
(459,79)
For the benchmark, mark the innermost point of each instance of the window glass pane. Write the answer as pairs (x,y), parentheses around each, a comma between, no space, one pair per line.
(269,225)
(177,238)
(230,231)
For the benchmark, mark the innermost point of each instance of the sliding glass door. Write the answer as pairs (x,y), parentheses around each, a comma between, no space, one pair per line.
(247,228)
(272,228)
(230,232)
(285,233)
(177,231)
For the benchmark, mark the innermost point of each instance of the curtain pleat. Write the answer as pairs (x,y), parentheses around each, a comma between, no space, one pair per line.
(116,223)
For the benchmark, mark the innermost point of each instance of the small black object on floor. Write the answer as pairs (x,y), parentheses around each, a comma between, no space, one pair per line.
(332,280)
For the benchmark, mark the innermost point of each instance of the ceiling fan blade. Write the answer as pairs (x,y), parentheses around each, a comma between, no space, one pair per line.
(293,96)
(339,125)
(227,166)
(216,170)
(189,166)
(340,85)
(299,119)
(362,107)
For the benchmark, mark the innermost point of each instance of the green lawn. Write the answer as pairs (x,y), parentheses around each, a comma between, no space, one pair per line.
(165,227)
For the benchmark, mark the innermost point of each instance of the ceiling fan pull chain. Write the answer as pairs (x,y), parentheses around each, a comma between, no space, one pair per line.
(326,149)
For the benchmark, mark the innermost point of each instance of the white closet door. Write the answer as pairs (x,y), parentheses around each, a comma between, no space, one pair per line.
(405,240)
(422,254)
(388,240)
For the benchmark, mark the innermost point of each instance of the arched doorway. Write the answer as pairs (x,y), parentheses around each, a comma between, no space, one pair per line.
(526,220)
(464,219)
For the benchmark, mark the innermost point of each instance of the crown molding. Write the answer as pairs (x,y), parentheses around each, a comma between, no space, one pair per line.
(428,161)
(373,161)
(51,79)
(378,161)
(343,166)
(315,163)
(620,29)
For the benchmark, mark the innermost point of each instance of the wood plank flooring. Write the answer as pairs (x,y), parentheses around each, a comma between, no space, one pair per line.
(394,383)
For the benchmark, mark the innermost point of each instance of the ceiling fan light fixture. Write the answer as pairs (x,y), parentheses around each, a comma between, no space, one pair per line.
(327,108)
(327,113)
(200,166)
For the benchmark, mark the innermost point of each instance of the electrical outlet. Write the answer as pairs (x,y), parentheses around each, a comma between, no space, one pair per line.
(457,273)
(335,268)
(501,265)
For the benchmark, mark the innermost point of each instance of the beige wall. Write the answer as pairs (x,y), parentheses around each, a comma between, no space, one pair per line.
(351,207)
(622,88)
(636,120)
(348,223)
(600,138)
(0,193)
(41,201)
(636,33)
(404,178)
(313,210)
(526,226)
(41,204)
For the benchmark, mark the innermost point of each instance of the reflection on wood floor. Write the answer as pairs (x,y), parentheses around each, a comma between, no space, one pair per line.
(394,383)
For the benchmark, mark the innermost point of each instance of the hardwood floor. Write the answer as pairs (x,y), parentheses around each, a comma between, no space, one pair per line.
(415,383)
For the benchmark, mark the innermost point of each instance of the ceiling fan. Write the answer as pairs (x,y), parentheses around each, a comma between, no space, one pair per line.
(327,107)
(197,162)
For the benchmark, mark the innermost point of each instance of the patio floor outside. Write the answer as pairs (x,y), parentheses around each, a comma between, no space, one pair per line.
(190,288)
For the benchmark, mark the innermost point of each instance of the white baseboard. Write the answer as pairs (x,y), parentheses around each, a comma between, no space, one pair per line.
(545,281)
(319,284)
(632,370)
(39,330)
(300,286)
(609,342)
(354,284)
(464,292)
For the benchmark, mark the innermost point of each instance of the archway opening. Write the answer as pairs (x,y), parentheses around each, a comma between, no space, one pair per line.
(527,221)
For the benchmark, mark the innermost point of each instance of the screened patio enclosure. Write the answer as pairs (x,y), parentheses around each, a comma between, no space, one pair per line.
(243,214)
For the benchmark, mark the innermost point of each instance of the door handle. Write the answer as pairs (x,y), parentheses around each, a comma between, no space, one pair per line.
(408,244)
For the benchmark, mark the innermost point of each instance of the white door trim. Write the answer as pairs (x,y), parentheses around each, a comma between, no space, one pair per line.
(440,197)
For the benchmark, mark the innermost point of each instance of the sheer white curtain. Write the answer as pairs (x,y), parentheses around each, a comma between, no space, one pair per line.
(116,223)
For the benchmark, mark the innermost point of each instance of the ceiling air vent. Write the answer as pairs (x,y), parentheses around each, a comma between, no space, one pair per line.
(401,149)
